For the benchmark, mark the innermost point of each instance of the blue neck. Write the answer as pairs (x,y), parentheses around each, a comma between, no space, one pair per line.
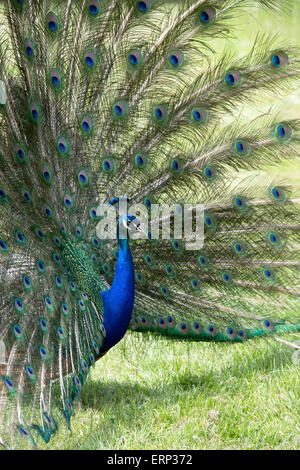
(118,300)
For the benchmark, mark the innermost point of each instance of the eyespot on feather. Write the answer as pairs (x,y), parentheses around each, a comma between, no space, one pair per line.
(203,261)
(19,237)
(177,166)
(26,283)
(241,148)
(183,328)
(9,384)
(93,214)
(210,222)
(195,283)
(170,270)
(175,59)
(149,260)
(63,147)
(278,60)
(60,333)
(239,248)
(140,278)
(267,325)
(282,132)
(268,274)
(86,125)
(162,323)
(226,277)
(46,174)
(207,16)
(242,334)
(106,268)
(20,153)
(119,110)
(97,243)
(19,306)
(232,79)
(94,8)
(275,240)
(34,113)
(141,161)
(198,115)
(171,323)
(52,23)
(3,196)
(64,309)
(209,173)
(230,333)
(26,195)
(3,246)
(177,245)
(240,203)
(29,370)
(95,258)
(197,328)
(47,210)
(109,166)
(68,201)
(277,194)
(134,59)
(40,267)
(159,114)
(165,291)
(83,177)
(89,60)
(29,49)
(211,330)
(143,6)
(144,321)
(44,355)
(55,79)
(55,258)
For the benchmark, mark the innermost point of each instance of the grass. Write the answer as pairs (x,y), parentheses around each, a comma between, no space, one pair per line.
(149,394)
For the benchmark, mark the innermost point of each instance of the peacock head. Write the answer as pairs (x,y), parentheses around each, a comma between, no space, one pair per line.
(128,225)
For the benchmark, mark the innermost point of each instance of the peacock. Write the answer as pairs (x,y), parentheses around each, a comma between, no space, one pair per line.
(122,106)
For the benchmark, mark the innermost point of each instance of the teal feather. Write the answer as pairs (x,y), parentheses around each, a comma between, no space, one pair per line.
(99,100)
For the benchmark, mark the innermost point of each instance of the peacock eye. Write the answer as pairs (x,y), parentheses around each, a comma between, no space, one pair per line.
(283,132)
(232,78)
(140,161)
(175,59)
(278,60)
(34,111)
(89,60)
(134,59)
(94,8)
(143,6)
(52,23)
(207,15)
(120,109)
(29,49)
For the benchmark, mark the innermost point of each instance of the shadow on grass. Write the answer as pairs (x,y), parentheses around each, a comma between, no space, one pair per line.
(245,365)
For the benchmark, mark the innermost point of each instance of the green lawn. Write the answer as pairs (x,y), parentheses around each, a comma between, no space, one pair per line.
(149,394)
